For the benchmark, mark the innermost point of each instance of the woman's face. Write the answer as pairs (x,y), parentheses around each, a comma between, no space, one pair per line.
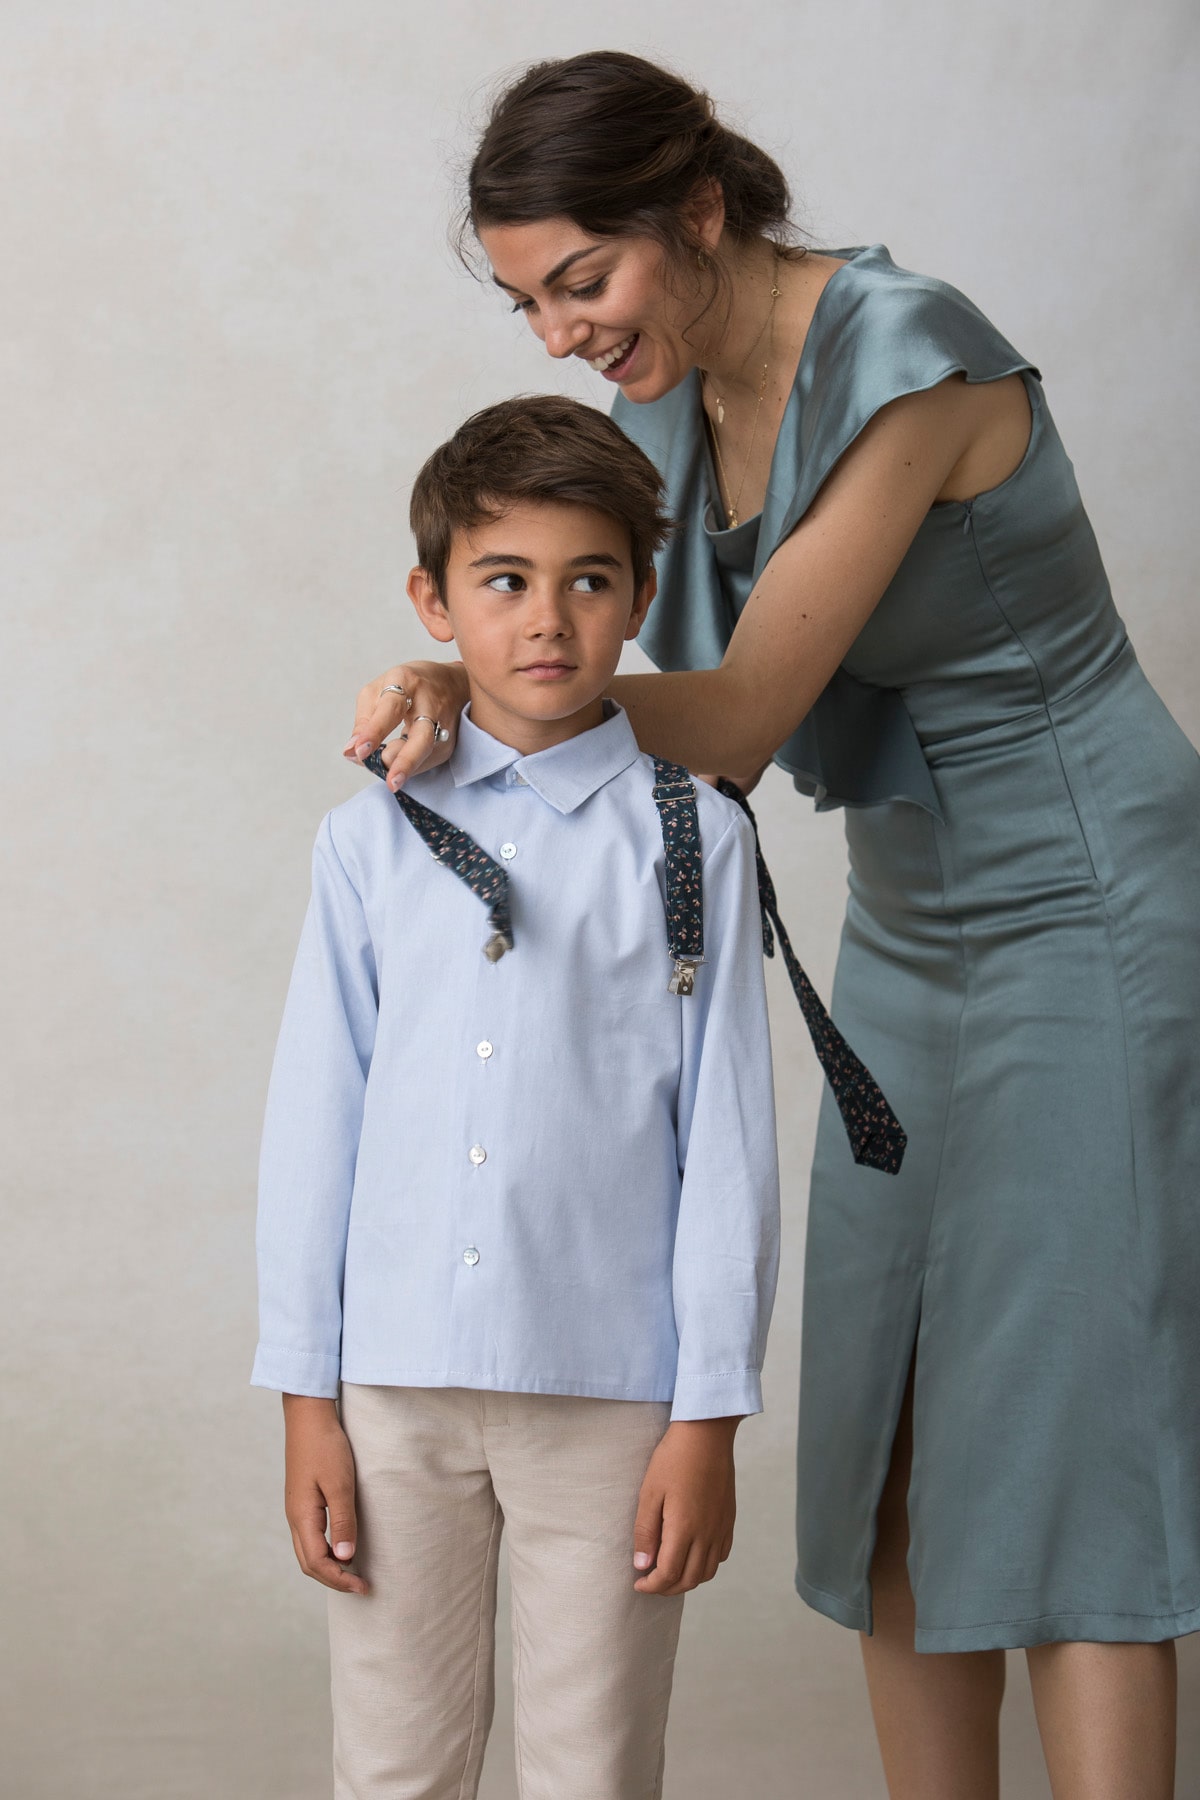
(605,300)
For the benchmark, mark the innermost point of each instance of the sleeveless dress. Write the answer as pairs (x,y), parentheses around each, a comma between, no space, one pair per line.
(1020,970)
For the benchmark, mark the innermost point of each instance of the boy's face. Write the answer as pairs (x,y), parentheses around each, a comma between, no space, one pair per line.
(539,603)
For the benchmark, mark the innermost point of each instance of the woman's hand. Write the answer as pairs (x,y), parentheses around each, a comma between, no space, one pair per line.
(320,1481)
(433,696)
(747,783)
(684,1526)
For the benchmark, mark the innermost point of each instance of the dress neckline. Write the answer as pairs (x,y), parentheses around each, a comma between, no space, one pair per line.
(727,533)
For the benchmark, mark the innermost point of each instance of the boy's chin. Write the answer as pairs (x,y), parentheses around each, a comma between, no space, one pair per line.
(554,700)
(554,711)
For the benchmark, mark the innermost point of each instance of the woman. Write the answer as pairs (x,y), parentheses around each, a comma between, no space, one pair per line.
(884,580)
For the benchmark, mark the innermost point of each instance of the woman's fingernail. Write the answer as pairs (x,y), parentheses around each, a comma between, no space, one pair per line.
(396,782)
(364,748)
(641,1560)
(343,1552)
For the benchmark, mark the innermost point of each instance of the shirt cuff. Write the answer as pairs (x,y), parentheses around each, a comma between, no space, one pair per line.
(297,1372)
(737,1392)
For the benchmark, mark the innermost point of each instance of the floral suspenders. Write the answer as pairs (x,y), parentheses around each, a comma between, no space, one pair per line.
(876,1136)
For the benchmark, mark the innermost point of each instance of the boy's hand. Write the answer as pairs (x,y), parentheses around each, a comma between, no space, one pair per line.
(684,1526)
(320,1479)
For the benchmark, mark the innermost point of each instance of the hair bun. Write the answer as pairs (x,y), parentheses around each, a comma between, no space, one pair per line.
(618,145)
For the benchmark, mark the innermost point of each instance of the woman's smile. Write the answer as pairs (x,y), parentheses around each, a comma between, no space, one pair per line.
(579,292)
(614,363)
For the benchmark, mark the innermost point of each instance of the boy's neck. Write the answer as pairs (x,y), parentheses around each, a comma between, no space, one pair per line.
(526,734)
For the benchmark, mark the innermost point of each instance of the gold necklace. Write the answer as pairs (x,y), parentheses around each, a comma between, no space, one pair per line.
(731,499)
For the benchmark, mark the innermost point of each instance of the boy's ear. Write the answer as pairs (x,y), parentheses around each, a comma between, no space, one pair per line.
(641,604)
(431,608)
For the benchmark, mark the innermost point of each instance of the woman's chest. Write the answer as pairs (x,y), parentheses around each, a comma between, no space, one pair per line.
(740,437)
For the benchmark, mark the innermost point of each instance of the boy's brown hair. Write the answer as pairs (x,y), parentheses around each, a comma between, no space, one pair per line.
(536,447)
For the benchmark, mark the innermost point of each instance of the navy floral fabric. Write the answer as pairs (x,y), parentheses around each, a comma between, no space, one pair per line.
(877,1138)
(463,856)
(675,798)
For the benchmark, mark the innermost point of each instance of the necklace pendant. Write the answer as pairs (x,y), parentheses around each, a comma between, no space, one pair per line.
(733,518)
(720,412)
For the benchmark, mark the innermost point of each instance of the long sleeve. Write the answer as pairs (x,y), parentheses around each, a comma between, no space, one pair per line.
(545,1174)
(727,1234)
(311,1136)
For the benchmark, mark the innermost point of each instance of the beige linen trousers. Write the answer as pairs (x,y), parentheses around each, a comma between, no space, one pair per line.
(441,1472)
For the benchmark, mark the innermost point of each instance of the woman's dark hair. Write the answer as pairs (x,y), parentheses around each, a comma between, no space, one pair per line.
(620,147)
(539,447)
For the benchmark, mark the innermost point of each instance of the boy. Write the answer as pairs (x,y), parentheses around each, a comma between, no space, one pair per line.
(520,1209)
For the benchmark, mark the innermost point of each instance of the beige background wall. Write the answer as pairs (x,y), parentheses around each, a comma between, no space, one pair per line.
(230,330)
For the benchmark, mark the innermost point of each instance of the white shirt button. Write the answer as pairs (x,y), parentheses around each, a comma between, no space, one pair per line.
(471,1256)
(508,851)
(483,1049)
(478,1154)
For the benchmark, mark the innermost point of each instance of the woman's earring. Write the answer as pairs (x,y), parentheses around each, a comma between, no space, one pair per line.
(701,260)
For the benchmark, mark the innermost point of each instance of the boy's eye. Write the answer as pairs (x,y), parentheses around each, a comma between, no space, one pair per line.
(509,583)
(595,584)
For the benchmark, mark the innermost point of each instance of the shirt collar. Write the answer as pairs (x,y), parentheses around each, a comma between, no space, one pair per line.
(565,775)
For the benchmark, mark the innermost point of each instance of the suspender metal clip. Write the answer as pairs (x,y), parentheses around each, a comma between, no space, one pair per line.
(683,980)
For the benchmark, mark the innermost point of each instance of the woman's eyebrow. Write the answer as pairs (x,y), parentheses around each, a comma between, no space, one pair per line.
(560,268)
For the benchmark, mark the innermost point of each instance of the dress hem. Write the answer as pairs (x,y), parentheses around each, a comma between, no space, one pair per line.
(1017,1634)
(1061,1628)
(842,1612)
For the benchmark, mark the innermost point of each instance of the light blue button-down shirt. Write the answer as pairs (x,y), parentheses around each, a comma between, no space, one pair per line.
(541,1175)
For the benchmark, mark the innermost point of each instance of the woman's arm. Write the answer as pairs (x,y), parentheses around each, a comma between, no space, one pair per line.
(808,606)
(815,594)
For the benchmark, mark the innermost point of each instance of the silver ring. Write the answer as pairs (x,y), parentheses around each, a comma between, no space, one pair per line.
(440,734)
(394,688)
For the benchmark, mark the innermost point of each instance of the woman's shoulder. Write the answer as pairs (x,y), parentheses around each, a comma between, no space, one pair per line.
(883,329)
(879,332)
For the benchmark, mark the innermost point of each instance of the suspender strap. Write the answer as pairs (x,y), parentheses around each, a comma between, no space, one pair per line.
(461,854)
(876,1136)
(675,798)
(877,1139)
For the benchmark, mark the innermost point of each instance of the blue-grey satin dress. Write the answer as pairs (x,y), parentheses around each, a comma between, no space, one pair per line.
(1020,969)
